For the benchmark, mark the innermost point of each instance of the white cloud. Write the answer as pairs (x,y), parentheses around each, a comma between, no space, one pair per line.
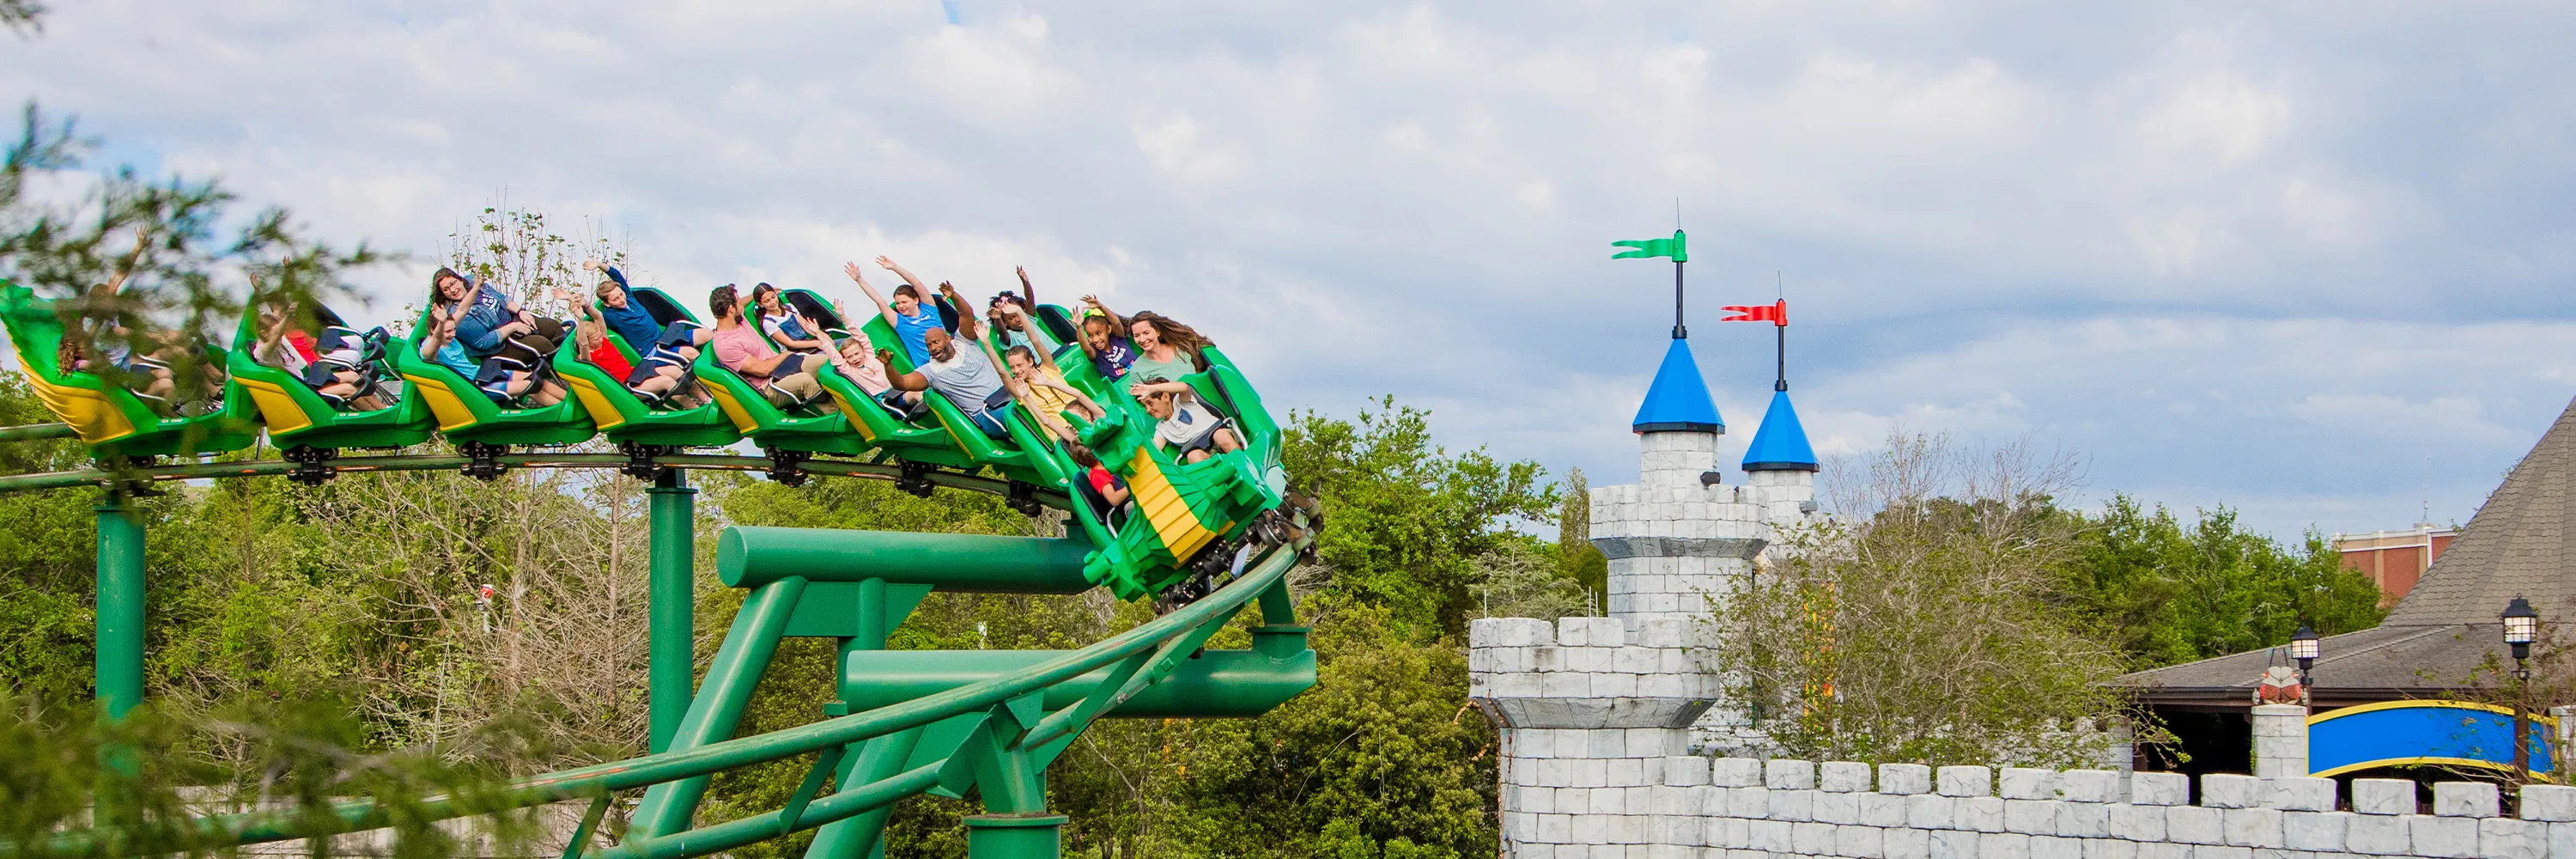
(2204,243)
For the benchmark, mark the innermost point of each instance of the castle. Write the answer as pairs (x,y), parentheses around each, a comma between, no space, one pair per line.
(1596,701)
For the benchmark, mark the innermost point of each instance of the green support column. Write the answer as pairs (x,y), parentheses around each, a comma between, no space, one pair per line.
(673,603)
(120,607)
(713,714)
(1014,836)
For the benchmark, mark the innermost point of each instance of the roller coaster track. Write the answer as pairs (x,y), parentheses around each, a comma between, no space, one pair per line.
(910,722)
(420,462)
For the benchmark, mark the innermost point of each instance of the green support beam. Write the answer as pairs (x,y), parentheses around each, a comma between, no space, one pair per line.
(717,709)
(1214,684)
(748,556)
(1014,836)
(672,602)
(120,606)
(1171,634)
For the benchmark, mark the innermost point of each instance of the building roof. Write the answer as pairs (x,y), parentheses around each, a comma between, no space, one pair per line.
(2379,664)
(1781,443)
(2516,545)
(1678,400)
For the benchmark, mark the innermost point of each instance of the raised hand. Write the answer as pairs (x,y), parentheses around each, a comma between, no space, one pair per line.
(1023,272)
(1092,300)
(887,263)
(591,265)
(852,269)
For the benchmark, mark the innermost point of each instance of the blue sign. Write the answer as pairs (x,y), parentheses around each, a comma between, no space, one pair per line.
(2421,733)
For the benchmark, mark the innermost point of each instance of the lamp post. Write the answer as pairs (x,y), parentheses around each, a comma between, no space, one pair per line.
(2303,647)
(2521,625)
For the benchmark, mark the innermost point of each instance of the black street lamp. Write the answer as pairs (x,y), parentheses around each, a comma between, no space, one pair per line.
(2303,647)
(2521,625)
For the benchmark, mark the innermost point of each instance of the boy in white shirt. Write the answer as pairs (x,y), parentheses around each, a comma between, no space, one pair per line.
(1187,424)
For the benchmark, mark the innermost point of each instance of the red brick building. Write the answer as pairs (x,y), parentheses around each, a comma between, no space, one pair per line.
(2394,559)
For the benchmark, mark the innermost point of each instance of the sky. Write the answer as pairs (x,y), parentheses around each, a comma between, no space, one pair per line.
(2307,261)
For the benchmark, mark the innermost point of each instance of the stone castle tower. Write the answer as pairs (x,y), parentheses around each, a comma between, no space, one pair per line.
(1600,702)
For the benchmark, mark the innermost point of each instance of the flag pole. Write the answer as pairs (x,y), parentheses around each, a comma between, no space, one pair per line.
(1782,384)
(1679,332)
(1781,328)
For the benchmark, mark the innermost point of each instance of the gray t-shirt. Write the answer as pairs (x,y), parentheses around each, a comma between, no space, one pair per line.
(966,378)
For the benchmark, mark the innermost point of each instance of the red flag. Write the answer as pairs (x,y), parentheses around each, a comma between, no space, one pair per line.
(1776,314)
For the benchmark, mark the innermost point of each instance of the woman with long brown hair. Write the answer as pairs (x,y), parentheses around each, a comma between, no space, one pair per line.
(1166,349)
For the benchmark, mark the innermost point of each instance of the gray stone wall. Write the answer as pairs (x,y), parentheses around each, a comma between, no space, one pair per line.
(1742,808)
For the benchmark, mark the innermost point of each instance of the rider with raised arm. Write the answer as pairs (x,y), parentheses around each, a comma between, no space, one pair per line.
(1039,385)
(909,311)
(1008,313)
(966,376)
(1185,423)
(660,376)
(486,317)
(1104,339)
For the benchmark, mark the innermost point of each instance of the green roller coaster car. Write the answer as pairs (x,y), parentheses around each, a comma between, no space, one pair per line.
(625,417)
(910,441)
(110,419)
(295,414)
(1175,531)
(1179,510)
(466,415)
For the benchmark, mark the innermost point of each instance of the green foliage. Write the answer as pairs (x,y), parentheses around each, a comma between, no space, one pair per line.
(1405,518)
(1923,633)
(139,263)
(2167,593)
(295,761)
(1577,559)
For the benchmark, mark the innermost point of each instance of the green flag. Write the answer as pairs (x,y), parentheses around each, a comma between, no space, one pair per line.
(1671,247)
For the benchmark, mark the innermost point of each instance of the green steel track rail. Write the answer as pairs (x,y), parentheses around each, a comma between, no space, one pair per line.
(36,432)
(431,462)
(1009,730)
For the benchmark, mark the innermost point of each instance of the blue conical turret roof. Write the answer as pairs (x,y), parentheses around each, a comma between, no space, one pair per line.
(1678,401)
(1781,444)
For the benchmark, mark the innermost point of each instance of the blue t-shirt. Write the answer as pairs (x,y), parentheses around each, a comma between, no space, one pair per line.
(490,310)
(912,329)
(630,322)
(453,355)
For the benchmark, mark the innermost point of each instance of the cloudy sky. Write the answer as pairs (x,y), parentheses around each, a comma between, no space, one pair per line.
(2306,260)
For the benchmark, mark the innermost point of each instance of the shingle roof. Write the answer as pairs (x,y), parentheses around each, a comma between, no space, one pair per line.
(2379,664)
(2515,546)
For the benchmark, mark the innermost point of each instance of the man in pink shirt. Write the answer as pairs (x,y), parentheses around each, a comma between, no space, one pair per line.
(781,377)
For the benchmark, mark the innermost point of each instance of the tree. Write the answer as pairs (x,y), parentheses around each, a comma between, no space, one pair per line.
(1921,631)
(1577,558)
(1406,518)
(2167,593)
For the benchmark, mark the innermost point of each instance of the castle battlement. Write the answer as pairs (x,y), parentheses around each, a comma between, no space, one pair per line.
(1584,794)
(1589,672)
